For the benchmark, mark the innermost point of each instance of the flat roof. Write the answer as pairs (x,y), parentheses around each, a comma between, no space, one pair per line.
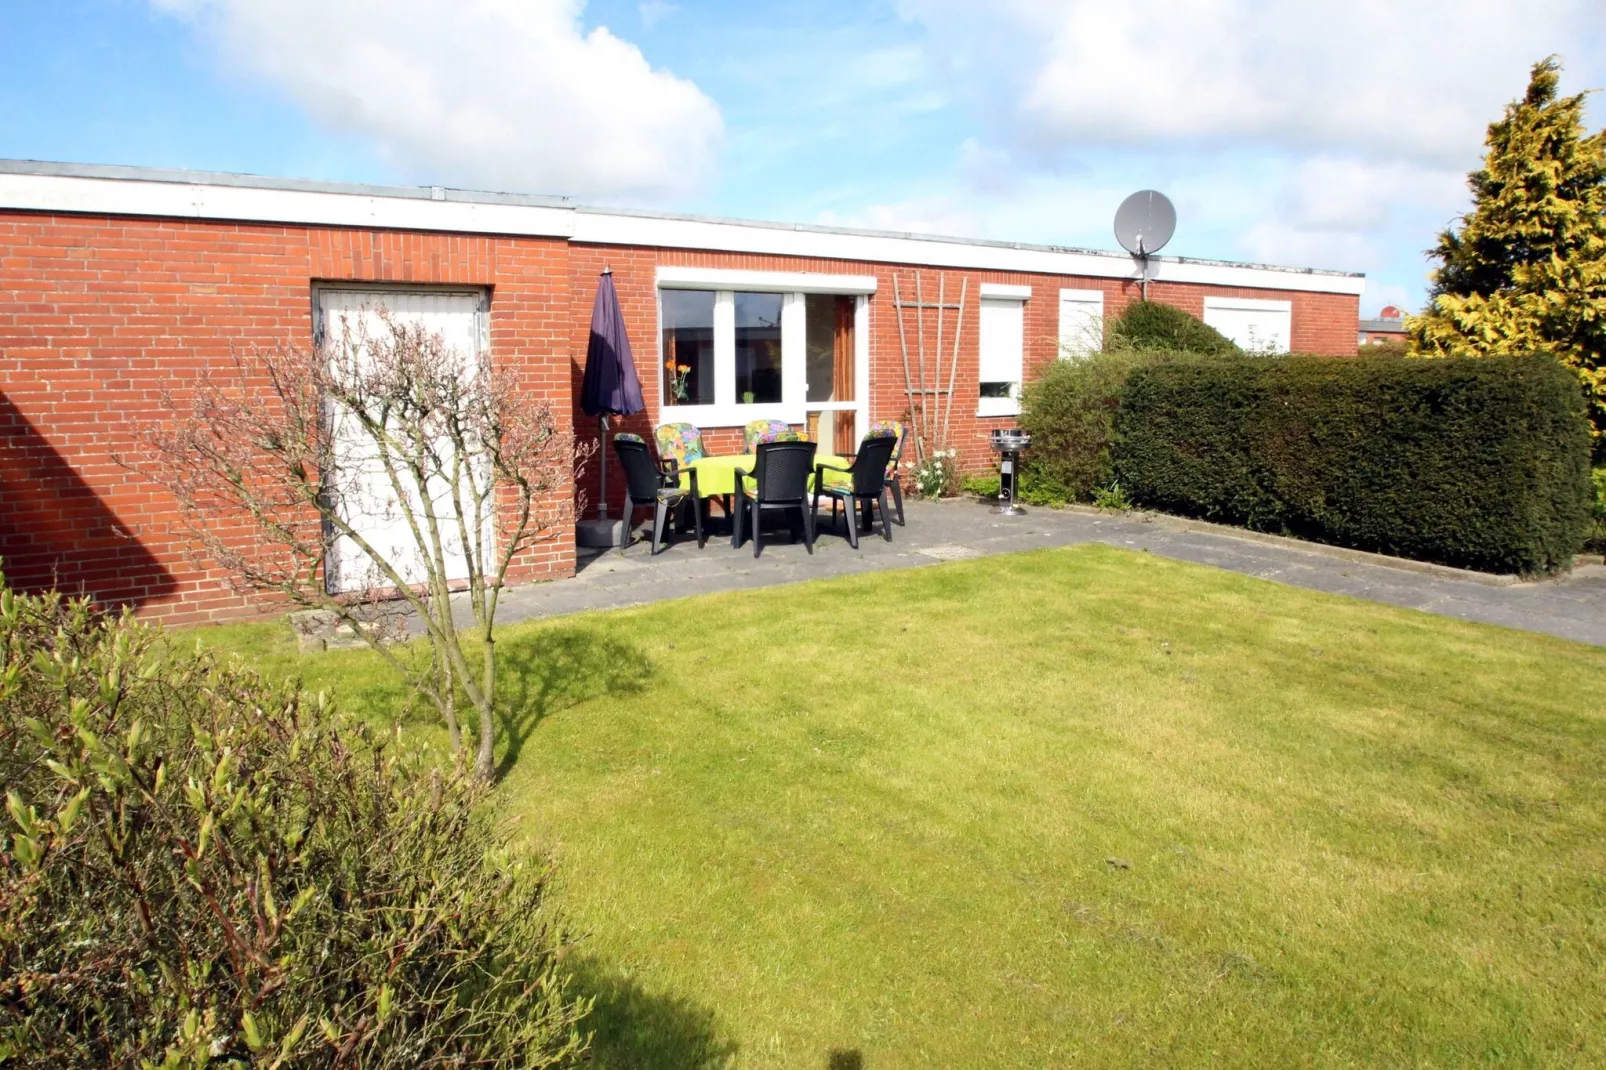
(120,190)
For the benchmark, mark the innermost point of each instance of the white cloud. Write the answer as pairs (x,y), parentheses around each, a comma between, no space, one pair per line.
(1405,78)
(1326,133)
(937,214)
(655,11)
(484,92)
(1349,194)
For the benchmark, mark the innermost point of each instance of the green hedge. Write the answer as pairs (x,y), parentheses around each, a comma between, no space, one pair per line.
(1070,410)
(1482,463)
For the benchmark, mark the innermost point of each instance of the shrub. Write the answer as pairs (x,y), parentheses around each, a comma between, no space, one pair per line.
(203,868)
(1149,326)
(1070,411)
(1479,462)
(1597,537)
(1026,490)
(1392,347)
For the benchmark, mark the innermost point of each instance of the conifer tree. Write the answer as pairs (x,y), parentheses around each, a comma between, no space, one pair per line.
(1526,273)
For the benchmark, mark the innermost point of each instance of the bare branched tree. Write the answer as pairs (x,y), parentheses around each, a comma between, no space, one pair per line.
(372,477)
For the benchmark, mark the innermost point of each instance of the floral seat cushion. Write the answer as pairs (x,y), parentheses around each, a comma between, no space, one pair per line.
(682,442)
(882,428)
(768,431)
(879,429)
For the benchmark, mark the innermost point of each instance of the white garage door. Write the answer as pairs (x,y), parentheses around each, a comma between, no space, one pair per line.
(1258,326)
(1081,322)
(366,497)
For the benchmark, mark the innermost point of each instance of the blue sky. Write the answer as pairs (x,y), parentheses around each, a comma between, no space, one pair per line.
(1314,134)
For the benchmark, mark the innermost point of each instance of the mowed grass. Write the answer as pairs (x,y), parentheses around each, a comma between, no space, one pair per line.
(1071,806)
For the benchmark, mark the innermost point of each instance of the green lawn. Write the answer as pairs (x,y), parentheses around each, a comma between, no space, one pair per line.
(1190,817)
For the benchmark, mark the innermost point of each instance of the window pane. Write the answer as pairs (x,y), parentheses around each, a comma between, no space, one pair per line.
(828,320)
(758,348)
(688,321)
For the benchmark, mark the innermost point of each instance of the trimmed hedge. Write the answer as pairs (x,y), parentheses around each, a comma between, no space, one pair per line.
(1070,411)
(1481,462)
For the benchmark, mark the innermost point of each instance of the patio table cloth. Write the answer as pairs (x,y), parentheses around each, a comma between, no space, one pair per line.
(717,475)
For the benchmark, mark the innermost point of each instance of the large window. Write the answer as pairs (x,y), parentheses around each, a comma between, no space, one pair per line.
(731,355)
(758,348)
(688,319)
(1003,343)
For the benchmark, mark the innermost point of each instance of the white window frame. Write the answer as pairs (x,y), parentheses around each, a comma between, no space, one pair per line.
(729,411)
(992,293)
(1252,304)
(1071,348)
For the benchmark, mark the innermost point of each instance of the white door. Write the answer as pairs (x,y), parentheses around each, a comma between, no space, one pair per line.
(1081,322)
(1257,326)
(365,496)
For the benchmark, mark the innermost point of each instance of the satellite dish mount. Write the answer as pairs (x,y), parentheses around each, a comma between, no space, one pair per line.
(1143,224)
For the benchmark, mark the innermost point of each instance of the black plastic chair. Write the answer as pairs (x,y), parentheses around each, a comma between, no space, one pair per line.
(649,484)
(894,484)
(780,481)
(867,489)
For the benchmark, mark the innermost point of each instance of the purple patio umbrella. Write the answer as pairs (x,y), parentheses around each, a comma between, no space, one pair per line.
(611,387)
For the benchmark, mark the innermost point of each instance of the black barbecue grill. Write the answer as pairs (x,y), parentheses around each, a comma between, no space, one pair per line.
(1008,445)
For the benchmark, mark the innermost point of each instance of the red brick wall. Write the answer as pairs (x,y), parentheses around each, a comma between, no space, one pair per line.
(1322,323)
(100,316)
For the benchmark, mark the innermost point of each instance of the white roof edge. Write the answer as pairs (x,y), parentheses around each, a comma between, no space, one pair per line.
(683,277)
(1006,290)
(101,190)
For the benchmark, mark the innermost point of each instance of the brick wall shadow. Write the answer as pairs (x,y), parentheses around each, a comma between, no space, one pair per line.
(56,532)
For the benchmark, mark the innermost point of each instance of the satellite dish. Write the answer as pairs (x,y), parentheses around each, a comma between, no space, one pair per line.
(1143,224)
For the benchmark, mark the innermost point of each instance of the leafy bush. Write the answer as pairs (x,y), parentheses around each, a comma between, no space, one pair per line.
(1026,490)
(1149,326)
(1479,462)
(1070,410)
(203,868)
(938,475)
(1597,537)
(1112,497)
(1392,347)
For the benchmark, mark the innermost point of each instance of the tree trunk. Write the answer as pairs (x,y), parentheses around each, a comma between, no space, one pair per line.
(447,701)
(484,765)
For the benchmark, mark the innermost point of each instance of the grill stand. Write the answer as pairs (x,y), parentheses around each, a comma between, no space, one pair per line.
(1008,445)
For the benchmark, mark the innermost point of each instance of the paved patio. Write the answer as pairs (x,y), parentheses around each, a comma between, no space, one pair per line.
(1573,607)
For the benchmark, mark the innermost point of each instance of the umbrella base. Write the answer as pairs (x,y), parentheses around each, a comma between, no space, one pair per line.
(600,533)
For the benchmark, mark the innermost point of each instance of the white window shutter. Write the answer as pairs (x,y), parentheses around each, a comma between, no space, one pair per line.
(1081,322)
(1003,338)
(1255,325)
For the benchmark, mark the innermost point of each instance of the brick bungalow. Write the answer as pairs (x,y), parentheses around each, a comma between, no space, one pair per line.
(117,284)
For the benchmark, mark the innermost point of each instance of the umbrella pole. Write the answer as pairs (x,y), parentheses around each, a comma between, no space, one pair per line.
(602,501)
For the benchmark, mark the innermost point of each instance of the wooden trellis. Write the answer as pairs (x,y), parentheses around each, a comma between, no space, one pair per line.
(931,405)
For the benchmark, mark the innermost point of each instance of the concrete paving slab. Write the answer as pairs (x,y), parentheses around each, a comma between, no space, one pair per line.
(1572,607)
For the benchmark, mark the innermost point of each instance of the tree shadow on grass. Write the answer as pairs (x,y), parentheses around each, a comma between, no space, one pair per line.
(557,669)
(633,1029)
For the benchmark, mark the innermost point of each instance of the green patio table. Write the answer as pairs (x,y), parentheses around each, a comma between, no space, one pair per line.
(716,476)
